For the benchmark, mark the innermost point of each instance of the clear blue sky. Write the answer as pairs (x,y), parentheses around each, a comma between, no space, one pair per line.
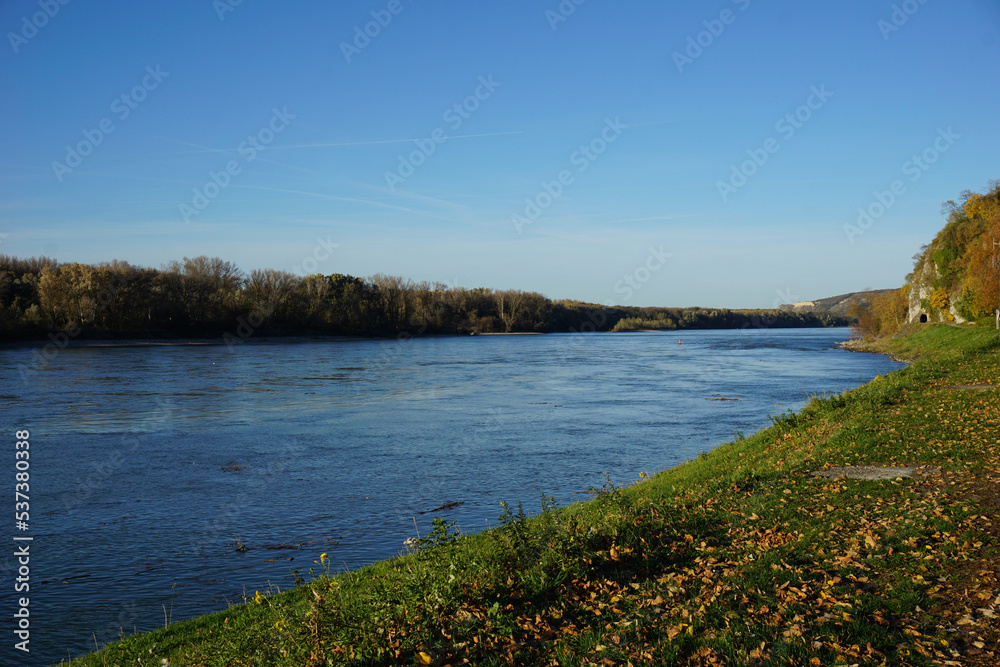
(678,129)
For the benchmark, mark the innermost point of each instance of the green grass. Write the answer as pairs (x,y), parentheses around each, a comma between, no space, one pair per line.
(740,557)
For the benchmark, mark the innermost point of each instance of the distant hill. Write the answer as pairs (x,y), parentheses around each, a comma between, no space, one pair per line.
(836,306)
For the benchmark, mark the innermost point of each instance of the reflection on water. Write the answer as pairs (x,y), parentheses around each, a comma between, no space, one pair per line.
(151,465)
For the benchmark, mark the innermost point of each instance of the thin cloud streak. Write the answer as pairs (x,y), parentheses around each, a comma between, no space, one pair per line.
(680,216)
(338,198)
(206,149)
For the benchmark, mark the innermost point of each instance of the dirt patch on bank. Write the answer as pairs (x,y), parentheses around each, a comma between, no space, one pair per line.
(874,472)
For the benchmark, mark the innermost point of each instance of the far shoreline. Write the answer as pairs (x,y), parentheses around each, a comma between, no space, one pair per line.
(98,341)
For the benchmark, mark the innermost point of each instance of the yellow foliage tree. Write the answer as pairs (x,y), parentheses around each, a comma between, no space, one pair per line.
(939,299)
(983,278)
(880,314)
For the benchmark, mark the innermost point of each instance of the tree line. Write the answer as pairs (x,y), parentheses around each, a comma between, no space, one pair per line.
(208,296)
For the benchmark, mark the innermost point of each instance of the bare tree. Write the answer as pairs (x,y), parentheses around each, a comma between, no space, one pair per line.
(395,295)
(209,286)
(510,307)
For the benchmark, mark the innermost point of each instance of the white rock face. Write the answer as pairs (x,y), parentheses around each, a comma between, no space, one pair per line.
(922,287)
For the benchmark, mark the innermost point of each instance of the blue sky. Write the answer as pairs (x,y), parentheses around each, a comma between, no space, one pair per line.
(583,150)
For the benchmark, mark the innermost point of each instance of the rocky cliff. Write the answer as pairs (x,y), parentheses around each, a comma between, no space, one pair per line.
(955,276)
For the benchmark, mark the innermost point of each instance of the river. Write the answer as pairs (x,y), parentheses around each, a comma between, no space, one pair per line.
(170,480)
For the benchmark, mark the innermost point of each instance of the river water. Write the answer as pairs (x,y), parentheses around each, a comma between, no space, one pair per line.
(173,479)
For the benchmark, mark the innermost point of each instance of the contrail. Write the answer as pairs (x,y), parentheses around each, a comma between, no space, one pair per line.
(402,141)
(203,149)
(337,198)
(206,149)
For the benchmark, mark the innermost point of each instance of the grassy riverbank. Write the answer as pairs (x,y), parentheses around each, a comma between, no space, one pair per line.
(741,557)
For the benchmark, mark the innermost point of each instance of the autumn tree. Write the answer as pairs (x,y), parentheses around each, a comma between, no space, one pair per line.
(353,302)
(66,295)
(5,281)
(394,299)
(434,308)
(315,292)
(124,295)
(271,293)
(209,287)
(981,294)
(478,307)
(879,314)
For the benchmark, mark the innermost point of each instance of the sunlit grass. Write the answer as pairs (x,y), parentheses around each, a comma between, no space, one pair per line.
(739,557)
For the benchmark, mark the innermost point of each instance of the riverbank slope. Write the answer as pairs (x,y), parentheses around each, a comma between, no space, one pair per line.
(743,556)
